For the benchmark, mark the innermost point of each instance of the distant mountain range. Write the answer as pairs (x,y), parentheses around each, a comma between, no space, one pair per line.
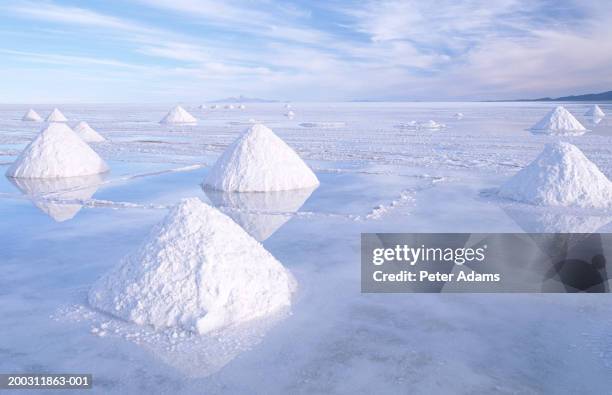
(243,99)
(604,96)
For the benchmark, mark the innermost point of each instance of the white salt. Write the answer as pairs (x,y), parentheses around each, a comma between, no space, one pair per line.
(178,115)
(197,270)
(87,133)
(32,116)
(56,116)
(559,121)
(260,161)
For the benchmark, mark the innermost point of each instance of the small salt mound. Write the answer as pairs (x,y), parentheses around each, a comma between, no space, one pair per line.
(214,107)
(287,106)
(229,106)
(260,161)
(560,176)
(87,133)
(559,121)
(289,114)
(31,116)
(595,111)
(197,270)
(56,116)
(458,115)
(431,125)
(178,115)
(202,107)
(329,125)
(57,152)
(242,106)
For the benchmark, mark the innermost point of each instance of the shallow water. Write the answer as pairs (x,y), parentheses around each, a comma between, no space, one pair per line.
(58,239)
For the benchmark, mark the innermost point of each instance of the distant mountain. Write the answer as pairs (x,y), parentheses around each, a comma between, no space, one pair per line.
(243,99)
(604,96)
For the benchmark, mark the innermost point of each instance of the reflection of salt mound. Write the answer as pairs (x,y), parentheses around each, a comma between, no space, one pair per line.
(559,121)
(596,120)
(430,125)
(287,106)
(260,161)
(59,197)
(198,270)
(87,133)
(56,116)
(178,115)
(260,213)
(560,176)
(290,114)
(57,152)
(31,116)
(406,125)
(595,111)
(556,222)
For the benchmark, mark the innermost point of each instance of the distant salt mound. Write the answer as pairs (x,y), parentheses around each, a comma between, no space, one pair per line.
(406,125)
(287,106)
(214,107)
(198,270)
(289,114)
(87,133)
(31,116)
(325,125)
(459,115)
(57,152)
(202,107)
(229,106)
(595,111)
(560,176)
(242,106)
(178,115)
(430,125)
(56,116)
(559,121)
(260,161)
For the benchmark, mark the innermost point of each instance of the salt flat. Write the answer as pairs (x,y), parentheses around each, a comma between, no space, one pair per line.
(376,175)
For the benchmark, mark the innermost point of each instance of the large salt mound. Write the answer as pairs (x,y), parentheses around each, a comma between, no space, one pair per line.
(178,115)
(31,116)
(56,116)
(560,176)
(259,161)
(87,133)
(559,121)
(57,152)
(595,111)
(197,270)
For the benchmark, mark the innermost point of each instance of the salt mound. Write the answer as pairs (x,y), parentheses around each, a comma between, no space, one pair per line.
(560,176)
(229,106)
(56,116)
(260,161)
(202,107)
(178,115)
(431,125)
(595,111)
(87,133)
(559,121)
(289,114)
(197,270)
(57,152)
(287,106)
(459,115)
(214,106)
(31,116)
(242,106)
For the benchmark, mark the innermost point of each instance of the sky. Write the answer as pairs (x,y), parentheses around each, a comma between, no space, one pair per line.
(55,51)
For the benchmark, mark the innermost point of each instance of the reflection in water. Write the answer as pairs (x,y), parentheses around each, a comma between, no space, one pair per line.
(260,213)
(56,196)
(548,221)
(596,119)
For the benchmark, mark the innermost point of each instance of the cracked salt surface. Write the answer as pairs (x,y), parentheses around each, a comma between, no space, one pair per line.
(336,340)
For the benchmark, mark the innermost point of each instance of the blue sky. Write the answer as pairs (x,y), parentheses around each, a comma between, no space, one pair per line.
(198,50)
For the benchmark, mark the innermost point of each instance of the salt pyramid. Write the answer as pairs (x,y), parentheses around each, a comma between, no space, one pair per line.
(178,115)
(560,176)
(229,106)
(259,161)
(87,133)
(290,114)
(559,121)
(56,116)
(31,116)
(595,111)
(57,152)
(242,106)
(197,270)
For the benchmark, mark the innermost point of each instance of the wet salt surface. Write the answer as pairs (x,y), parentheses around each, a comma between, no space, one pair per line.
(374,177)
